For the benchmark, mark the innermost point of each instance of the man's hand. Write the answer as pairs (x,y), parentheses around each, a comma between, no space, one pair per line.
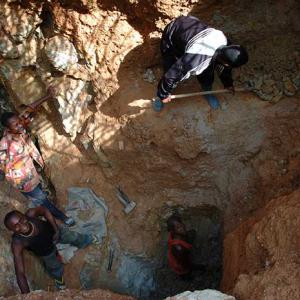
(26,115)
(51,91)
(167,100)
(231,89)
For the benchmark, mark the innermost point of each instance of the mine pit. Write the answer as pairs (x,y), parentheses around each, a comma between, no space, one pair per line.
(232,174)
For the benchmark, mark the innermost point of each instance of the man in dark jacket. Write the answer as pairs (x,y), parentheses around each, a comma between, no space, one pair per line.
(189,47)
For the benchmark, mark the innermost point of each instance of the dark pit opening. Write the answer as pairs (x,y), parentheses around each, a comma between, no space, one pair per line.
(207,223)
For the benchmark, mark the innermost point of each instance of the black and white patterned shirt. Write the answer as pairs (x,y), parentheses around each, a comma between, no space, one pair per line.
(188,48)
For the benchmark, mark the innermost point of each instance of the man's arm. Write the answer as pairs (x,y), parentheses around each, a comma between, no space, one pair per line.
(28,110)
(179,71)
(226,77)
(41,211)
(17,250)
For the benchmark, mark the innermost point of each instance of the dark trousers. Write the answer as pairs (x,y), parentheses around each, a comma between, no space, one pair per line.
(40,198)
(53,265)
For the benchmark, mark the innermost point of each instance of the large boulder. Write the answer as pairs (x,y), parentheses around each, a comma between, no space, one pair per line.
(61,53)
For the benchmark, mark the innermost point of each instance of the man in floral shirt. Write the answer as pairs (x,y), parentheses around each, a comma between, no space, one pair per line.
(17,156)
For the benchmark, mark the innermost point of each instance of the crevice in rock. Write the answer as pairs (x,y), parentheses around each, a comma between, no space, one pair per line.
(48,25)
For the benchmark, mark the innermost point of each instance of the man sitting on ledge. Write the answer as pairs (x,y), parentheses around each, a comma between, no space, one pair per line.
(40,236)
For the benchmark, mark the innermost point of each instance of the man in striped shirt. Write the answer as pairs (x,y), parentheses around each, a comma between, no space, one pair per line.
(189,47)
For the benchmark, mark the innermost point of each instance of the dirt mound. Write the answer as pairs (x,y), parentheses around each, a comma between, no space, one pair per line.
(261,256)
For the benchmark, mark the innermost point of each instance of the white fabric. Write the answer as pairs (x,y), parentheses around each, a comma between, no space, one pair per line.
(202,295)
(199,69)
(206,42)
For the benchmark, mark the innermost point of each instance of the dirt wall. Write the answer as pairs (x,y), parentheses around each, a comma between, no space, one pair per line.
(261,258)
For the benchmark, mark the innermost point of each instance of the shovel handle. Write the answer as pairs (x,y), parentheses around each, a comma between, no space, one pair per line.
(208,93)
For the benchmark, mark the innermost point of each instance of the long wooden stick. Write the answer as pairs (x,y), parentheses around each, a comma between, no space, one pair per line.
(208,93)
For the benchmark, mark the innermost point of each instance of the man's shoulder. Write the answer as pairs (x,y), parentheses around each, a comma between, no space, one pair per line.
(17,241)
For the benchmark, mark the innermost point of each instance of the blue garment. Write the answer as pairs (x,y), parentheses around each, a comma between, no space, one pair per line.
(157,104)
(53,266)
(40,198)
(211,99)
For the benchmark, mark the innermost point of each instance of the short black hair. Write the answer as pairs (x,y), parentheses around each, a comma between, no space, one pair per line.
(5,117)
(234,55)
(171,221)
(9,216)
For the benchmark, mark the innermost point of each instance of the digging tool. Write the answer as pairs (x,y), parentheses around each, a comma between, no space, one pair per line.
(209,93)
(158,104)
(123,198)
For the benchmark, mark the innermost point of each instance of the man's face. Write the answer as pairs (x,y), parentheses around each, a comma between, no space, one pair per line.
(19,224)
(15,125)
(179,228)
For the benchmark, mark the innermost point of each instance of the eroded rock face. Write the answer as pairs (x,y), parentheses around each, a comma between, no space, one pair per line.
(19,22)
(263,252)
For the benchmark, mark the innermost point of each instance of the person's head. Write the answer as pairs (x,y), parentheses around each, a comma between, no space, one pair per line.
(175,225)
(12,122)
(17,222)
(232,56)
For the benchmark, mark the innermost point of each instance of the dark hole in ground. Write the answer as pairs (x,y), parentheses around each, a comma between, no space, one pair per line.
(207,250)
(150,278)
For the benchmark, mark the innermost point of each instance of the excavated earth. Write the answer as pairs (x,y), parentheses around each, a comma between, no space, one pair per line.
(219,169)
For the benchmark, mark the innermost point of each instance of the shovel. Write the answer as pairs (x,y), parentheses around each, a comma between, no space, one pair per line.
(158,104)
(123,198)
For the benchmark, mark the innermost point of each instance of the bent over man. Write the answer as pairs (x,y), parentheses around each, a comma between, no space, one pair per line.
(40,237)
(190,47)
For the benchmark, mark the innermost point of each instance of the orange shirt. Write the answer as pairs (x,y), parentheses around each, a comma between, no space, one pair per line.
(17,153)
(177,267)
